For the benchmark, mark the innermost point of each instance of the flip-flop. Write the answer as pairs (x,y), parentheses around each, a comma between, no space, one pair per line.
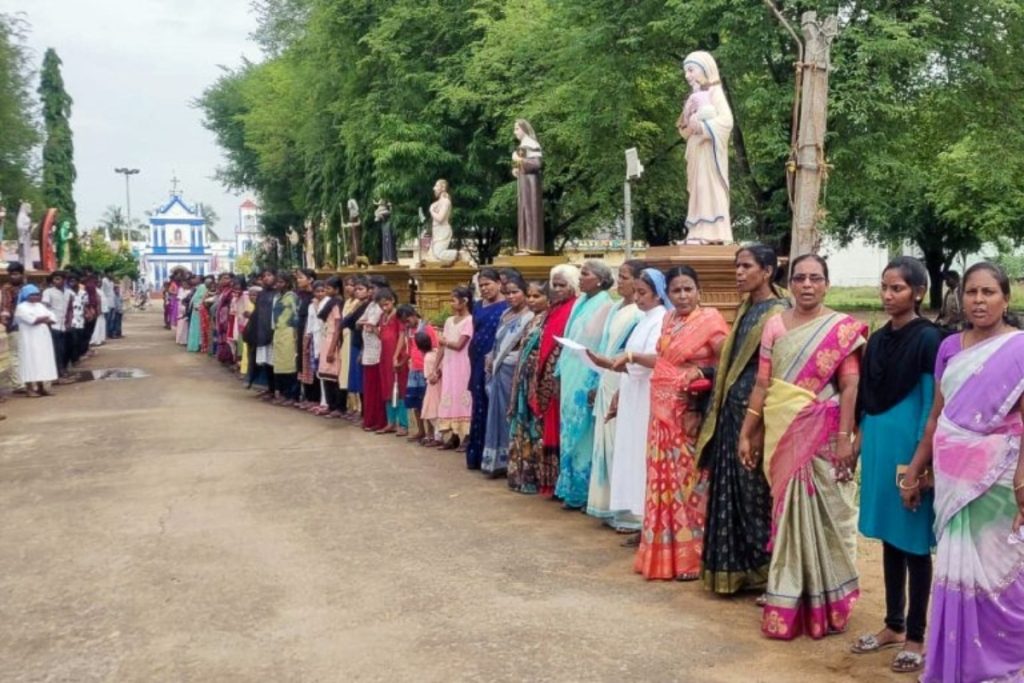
(907,662)
(868,643)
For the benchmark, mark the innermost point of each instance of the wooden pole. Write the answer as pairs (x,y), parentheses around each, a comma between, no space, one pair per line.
(810,167)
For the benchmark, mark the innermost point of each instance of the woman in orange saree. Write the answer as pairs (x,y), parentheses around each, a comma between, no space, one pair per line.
(673,532)
(806,391)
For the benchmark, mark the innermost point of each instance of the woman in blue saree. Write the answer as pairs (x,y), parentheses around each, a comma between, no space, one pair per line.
(486,316)
(501,367)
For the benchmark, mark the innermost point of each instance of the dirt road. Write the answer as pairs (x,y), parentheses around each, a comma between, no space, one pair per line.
(173,528)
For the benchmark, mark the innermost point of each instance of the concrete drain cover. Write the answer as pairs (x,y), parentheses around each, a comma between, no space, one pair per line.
(109,373)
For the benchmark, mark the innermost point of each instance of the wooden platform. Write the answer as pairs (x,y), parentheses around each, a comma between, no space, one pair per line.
(715,266)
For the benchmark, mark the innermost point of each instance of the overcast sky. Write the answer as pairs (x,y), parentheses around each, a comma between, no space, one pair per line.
(132,68)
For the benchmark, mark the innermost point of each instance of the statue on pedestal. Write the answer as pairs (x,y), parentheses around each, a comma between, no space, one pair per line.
(47,255)
(706,123)
(293,244)
(441,229)
(355,228)
(527,163)
(309,247)
(388,248)
(24,225)
(62,243)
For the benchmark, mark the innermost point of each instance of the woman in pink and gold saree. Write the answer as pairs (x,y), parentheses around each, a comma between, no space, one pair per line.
(972,442)
(806,393)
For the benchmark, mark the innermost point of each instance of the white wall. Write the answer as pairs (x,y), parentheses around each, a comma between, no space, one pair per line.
(858,264)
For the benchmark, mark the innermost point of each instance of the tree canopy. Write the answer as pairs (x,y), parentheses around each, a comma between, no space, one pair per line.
(367,99)
(18,168)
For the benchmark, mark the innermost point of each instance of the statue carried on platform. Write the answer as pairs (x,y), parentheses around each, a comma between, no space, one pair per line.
(527,164)
(441,229)
(24,225)
(706,123)
(388,248)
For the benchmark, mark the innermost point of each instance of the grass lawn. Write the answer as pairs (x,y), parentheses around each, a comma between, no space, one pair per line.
(853,299)
(867,298)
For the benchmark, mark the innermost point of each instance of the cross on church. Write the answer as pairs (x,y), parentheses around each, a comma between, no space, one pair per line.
(174,185)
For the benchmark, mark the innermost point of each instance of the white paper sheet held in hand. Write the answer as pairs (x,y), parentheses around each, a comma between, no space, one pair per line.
(580,350)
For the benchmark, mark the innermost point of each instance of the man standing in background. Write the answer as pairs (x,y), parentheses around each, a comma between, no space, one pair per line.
(107,294)
(58,300)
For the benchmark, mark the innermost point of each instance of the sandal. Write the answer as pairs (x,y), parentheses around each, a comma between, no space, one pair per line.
(869,642)
(907,662)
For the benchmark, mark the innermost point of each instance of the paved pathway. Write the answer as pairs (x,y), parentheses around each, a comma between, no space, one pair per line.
(173,528)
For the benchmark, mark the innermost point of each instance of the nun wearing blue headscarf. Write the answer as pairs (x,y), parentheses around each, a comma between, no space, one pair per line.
(633,404)
(36,362)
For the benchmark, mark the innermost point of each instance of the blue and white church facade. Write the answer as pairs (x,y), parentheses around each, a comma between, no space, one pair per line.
(177,239)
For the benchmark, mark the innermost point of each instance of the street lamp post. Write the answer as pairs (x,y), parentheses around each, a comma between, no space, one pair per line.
(634,170)
(127,173)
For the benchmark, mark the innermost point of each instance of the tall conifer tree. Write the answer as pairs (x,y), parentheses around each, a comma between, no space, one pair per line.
(58,150)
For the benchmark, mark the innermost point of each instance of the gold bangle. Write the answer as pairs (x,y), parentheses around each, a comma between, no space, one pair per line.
(843,433)
(1019,486)
(629,356)
(916,485)
(753,412)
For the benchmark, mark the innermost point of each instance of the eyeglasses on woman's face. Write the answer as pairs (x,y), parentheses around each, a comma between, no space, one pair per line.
(813,278)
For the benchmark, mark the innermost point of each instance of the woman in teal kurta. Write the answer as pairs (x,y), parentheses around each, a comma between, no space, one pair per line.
(195,325)
(894,400)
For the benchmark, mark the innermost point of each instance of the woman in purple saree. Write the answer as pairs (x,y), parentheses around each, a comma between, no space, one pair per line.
(977,614)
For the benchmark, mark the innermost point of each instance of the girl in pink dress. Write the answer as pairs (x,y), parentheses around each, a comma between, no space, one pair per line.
(456,408)
(432,397)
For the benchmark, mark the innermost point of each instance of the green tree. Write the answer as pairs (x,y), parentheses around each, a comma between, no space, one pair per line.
(97,253)
(20,134)
(368,99)
(212,218)
(58,149)
(115,224)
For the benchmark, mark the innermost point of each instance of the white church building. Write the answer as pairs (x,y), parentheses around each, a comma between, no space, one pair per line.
(177,239)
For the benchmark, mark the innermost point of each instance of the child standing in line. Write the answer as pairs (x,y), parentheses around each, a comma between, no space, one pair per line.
(432,394)
(393,366)
(417,384)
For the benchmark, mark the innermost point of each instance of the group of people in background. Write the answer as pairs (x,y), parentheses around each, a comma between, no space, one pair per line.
(45,333)
(726,454)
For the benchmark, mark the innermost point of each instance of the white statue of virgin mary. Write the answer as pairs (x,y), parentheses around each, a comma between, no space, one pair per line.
(706,123)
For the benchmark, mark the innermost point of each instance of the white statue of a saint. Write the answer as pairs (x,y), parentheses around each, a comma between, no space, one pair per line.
(24,225)
(706,123)
(309,246)
(441,229)
(355,228)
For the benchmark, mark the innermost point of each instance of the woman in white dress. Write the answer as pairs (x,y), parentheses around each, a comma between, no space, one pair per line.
(35,344)
(617,328)
(633,404)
